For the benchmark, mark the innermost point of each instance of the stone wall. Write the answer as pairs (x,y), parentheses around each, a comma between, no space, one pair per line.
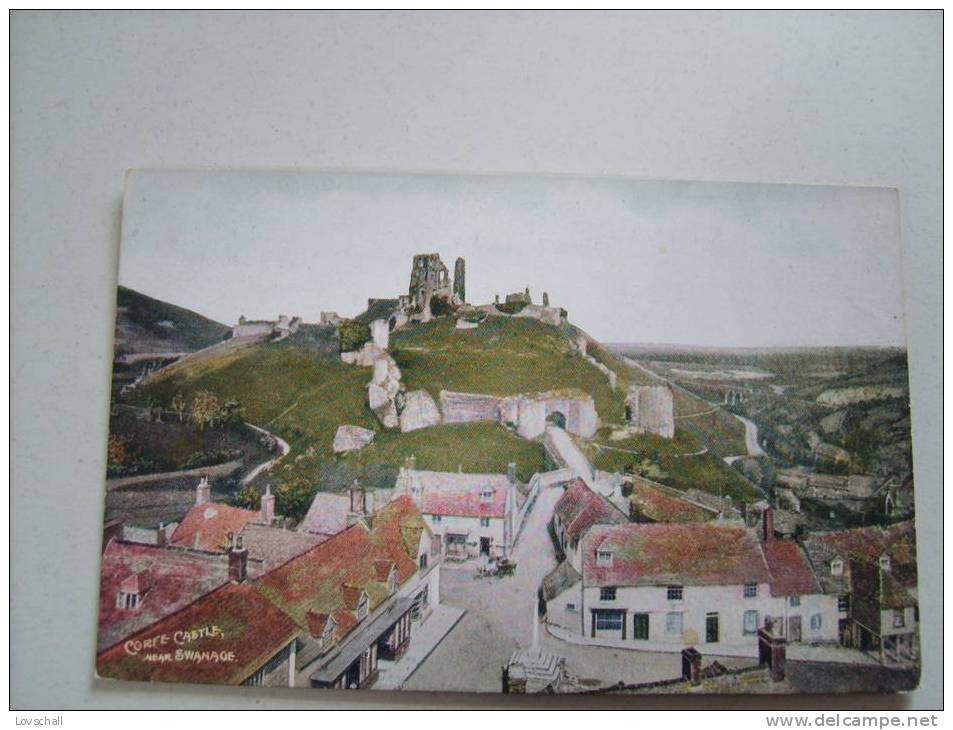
(468,407)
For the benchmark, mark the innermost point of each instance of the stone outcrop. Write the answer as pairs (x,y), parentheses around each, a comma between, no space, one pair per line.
(351,438)
(365,357)
(380,333)
(419,411)
(385,392)
(650,409)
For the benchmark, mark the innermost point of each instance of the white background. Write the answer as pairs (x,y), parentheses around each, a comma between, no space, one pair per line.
(848,98)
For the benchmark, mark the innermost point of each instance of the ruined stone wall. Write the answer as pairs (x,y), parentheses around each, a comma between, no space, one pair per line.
(253,329)
(651,409)
(468,407)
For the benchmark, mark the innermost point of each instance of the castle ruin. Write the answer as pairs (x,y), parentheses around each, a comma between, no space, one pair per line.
(650,409)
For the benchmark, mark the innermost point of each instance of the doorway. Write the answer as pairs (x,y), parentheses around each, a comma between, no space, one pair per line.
(484,546)
(557,418)
(711,628)
(794,628)
(640,626)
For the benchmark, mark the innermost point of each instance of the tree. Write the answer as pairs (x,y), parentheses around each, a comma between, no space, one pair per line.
(117,451)
(353,335)
(205,409)
(179,405)
(231,413)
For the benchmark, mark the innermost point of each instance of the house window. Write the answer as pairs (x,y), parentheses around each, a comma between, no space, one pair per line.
(898,619)
(674,593)
(843,603)
(884,562)
(486,495)
(751,590)
(127,600)
(604,558)
(607,593)
(437,519)
(609,620)
(570,606)
(362,607)
(423,561)
(816,622)
(837,566)
(794,601)
(484,522)
(674,621)
(751,622)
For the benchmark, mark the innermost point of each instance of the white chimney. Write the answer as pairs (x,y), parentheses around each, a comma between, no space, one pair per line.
(267,506)
(203,492)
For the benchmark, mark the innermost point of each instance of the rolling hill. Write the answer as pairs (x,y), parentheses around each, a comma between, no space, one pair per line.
(303,394)
(147,325)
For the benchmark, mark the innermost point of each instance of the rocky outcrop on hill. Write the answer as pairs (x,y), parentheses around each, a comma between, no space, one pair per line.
(351,438)
(419,411)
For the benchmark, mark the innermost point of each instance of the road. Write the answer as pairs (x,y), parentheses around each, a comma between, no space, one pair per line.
(751,440)
(282,444)
(499,620)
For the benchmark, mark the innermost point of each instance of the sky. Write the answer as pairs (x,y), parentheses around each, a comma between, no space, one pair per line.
(713,264)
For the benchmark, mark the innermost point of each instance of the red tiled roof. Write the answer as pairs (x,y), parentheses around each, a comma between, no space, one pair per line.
(206,526)
(317,622)
(688,554)
(329,578)
(175,579)
(579,508)
(383,568)
(790,573)
(222,638)
(464,504)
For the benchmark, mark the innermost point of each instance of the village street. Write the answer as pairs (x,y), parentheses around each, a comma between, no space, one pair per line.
(499,620)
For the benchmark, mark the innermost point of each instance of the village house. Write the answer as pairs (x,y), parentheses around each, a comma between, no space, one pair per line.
(873,572)
(576,510)
(327,617)
(358,597)
(469,514)
(331,513)
(662,587)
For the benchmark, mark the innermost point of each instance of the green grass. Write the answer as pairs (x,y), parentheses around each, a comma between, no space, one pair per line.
(304,398)
(503,356)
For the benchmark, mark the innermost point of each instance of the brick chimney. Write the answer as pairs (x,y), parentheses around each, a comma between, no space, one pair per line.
(511,472)
(203,492)
(767,524)
(160,535)
(267,510)
(237,559)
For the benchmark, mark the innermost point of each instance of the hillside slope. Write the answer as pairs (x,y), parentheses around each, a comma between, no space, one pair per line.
(144,324)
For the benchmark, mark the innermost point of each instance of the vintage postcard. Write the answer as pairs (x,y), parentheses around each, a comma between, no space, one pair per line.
(508,434)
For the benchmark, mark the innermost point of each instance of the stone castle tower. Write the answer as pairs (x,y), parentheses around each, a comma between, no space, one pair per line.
(428,277)
(460,280)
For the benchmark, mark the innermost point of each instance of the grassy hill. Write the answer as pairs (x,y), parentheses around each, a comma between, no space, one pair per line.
(144,324)
(303,393)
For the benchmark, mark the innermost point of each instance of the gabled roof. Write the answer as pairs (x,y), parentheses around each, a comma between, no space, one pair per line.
(579,508)
(863,545)
(206,526)
(790,572)
(327,514)
(165,579)
(685,554)
(329,578)
(268,547)
(224,637)
(448,493)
